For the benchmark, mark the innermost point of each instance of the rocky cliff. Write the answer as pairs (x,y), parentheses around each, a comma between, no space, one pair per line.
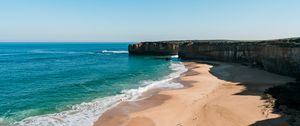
(279,56)
(154,48)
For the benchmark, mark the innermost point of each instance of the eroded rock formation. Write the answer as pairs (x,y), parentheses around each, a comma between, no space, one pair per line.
(279,56)
(154,48)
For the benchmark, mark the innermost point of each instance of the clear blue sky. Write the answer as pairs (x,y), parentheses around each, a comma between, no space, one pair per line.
(139,20)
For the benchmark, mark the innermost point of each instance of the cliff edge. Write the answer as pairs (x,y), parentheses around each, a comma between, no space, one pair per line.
(154,48)
(280,56)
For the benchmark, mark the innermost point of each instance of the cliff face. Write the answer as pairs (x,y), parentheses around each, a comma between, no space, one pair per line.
(279,56)
(154,48)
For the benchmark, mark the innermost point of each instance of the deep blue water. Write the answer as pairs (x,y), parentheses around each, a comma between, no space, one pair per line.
(38,79)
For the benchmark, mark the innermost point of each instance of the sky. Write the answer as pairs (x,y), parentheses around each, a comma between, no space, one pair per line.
(146,20)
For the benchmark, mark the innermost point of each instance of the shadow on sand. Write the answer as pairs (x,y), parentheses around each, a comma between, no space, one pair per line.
(255,81)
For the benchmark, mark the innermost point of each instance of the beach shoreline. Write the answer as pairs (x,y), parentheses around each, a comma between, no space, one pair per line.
(213,95)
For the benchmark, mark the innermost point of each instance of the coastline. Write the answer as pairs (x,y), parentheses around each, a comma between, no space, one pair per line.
(223,94)
(87,113)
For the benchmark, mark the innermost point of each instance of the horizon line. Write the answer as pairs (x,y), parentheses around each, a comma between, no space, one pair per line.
(148,40)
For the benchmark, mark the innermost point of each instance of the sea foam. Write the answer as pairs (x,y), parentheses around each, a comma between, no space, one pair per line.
(86,113)
(112,51)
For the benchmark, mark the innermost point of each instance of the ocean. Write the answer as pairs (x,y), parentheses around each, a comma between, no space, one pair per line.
(72,84)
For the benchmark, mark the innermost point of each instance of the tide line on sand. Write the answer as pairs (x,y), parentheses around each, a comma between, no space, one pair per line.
(86,113)
(221,95)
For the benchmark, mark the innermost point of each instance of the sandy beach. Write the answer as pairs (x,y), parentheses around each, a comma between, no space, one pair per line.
(214,95)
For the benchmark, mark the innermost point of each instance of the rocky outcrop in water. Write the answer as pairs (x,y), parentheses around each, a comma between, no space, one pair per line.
(279,56)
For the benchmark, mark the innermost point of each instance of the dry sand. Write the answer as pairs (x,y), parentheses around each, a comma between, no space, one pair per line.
(220,95)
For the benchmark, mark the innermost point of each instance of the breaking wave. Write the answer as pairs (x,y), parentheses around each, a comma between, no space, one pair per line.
(116,52)
(86,113)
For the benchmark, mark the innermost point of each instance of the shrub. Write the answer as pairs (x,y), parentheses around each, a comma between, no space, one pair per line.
(288,95)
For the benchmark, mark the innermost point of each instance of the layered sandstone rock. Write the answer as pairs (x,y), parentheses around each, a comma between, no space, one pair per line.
(279,56)
(154,48)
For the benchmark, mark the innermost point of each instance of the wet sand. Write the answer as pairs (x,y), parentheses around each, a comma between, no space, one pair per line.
(219,95)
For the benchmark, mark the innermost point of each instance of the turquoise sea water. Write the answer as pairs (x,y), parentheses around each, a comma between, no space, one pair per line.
(73,83)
